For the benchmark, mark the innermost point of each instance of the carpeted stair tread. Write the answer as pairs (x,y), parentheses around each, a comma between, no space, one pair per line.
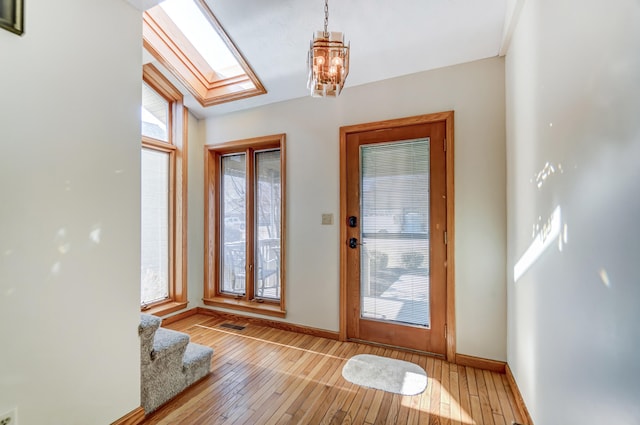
(168,363)
(148,325)
(196,362)
(196,353)
(167,342)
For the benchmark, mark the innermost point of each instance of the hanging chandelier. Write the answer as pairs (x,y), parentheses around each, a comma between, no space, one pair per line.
(328,61)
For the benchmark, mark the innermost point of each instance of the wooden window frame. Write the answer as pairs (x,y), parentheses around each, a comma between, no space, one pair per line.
(167,44)
(176,147)
(213,296)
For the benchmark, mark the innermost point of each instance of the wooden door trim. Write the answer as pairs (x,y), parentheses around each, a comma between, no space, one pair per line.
(447,117)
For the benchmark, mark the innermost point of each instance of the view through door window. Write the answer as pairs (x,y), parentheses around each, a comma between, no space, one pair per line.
(394,275)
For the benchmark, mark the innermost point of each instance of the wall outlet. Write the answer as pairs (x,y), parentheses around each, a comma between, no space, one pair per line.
(327,218)
(9,418)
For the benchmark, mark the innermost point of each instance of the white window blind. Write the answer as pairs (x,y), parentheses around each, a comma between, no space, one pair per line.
(155,114)
(394,210)
(155,226)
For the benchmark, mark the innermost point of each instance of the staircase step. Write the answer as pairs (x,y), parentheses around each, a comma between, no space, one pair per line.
(169,362)
(148,325)
(169,343)
(147,329)
(196,362)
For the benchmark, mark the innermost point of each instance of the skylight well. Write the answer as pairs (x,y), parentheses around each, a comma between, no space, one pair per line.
(188,40)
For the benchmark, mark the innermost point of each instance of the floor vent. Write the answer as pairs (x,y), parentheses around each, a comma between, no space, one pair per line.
(232,326)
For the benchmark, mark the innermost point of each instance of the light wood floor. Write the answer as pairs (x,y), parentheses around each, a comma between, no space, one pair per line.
(268,376)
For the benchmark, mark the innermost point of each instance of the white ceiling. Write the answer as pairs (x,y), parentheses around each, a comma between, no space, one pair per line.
(388,39)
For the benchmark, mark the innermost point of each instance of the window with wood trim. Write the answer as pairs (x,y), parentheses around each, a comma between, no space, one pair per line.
(163,283)
(244,224)
(187,39)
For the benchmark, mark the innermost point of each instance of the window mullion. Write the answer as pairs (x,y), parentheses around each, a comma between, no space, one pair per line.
(250,225)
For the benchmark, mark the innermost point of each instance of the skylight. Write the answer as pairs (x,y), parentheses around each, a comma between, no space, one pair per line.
(189,18)
(188,40)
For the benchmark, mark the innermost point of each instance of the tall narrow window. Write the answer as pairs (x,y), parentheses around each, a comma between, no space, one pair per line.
(267,217)
(244,220)
(155,204)
(233,229)
(163,202)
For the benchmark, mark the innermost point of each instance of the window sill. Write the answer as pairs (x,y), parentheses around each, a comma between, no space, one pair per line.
(165,308)
(242,305)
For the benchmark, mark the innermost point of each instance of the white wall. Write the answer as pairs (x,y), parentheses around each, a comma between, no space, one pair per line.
(573,101)
(70,213)
(195,213)
(476,92)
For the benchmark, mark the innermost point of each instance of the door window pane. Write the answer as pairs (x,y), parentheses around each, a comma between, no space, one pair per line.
(394,205)
(155,226)
(268,203)
(233,227)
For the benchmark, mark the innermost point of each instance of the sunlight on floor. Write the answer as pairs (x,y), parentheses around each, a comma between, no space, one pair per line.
(269,342)
(422,402)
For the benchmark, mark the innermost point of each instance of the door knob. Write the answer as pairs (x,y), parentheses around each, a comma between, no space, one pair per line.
(353,221)
(353,243)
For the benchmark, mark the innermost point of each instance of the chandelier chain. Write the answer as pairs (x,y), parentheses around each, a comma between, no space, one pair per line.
(326,17)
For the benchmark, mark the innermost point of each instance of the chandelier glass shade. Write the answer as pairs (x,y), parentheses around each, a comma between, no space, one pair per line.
(328,61)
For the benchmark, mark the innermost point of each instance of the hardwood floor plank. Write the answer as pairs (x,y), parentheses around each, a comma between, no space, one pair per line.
(445,394)
(485,405)
(476,410)
(494,402)
(505,407)
(359,407)
(434,402)
(425,401)
(465,402)
(360,412)
(454,401)
(413,405)
(445,414)
(498,419)
(385,407)
(512,401)
(263,375)
(471,379)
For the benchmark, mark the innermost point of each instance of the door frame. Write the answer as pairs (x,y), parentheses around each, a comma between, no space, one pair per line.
(447,117)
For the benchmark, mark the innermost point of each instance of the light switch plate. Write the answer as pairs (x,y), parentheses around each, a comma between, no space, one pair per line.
(327,218)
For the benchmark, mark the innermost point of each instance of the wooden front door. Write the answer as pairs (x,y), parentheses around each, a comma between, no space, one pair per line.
(395,223)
